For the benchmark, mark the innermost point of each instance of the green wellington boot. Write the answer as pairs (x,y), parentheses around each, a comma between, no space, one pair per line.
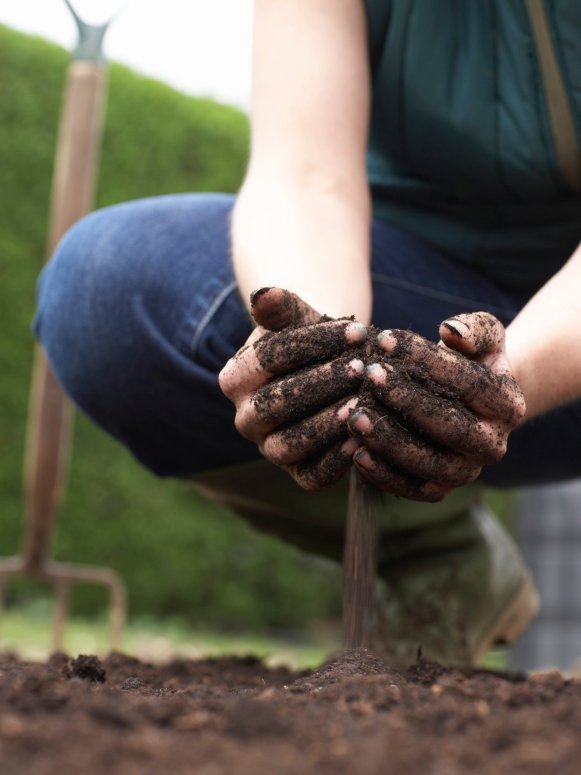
(452,581)
(451,589)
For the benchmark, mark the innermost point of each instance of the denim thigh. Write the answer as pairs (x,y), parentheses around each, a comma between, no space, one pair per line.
(139,310)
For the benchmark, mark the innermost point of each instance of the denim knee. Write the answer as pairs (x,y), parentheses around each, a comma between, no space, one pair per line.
(132,312)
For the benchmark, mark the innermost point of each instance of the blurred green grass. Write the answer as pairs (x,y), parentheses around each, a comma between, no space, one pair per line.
(27,632)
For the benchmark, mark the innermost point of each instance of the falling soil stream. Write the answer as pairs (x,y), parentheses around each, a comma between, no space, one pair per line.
(360,562)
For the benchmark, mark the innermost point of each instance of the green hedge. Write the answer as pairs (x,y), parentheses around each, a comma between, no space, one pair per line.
(178,554)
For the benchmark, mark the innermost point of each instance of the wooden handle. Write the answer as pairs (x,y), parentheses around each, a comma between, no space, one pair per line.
(50,414)
(46,457)
(77,148)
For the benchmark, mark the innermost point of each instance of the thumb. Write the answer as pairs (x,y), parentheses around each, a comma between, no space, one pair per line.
(479,336)
(277,308)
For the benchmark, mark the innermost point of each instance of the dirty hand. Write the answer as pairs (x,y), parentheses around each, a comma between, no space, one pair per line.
(293,385)
(437,413)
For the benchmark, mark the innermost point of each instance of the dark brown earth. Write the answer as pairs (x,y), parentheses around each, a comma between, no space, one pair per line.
(353,715)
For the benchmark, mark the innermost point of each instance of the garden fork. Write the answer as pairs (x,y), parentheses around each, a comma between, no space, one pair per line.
(50,413)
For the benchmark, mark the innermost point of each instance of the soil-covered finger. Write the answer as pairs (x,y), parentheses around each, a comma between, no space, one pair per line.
(488,394)
(388,479)
(310,436)
(285,351)
(448,423)
(300,395)
(386,435)
(243,374)
(277,308)
(324,470)
(473,333)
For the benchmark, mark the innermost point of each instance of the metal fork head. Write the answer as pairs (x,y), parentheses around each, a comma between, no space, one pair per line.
(91,33)
(61,576)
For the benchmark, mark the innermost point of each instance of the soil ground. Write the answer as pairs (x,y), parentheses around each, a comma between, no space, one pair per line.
(235,715)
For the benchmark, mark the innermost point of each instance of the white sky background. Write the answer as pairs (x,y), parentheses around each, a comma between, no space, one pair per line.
(201,47)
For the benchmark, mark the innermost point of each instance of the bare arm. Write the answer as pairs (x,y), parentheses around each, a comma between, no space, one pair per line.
(544,342)
(302,219)
(302,223)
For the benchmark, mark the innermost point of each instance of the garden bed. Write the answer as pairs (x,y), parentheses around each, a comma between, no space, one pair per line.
(236,715)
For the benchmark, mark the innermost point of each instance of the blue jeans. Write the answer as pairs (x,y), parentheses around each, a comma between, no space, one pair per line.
(139,310)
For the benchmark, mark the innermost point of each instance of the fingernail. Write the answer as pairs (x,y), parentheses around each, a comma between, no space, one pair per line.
(456,327)
(345,411)
(255,295)
(363,459)
(386,340)
(377,373)
(360,422)
(349,447)
(355,332)
(357,366)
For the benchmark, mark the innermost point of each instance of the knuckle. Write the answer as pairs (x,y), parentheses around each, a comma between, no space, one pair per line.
(431,497)
(225,380)
(511,403)
(496,452)
(433,492)
(240,424)
(308,482)
(471,475)
(460,477)
(245,423)
(520,409)
(275,452)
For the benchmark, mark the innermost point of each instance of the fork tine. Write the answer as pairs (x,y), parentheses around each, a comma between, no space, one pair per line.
(2,600)
(61,576)
(118,613)
(61,590)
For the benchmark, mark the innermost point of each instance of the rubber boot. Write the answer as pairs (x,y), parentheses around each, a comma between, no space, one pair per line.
(451,584)
(451,590)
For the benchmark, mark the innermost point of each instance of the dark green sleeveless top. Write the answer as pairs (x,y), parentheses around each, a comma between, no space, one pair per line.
(476,122)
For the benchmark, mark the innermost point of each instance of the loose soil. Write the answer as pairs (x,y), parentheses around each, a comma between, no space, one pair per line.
(360,562)
(353,715)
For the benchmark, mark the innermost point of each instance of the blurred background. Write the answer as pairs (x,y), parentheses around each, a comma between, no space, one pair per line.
(189,567)
(201,48)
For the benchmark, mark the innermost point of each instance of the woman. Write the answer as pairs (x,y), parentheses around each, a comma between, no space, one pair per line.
(468,203)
